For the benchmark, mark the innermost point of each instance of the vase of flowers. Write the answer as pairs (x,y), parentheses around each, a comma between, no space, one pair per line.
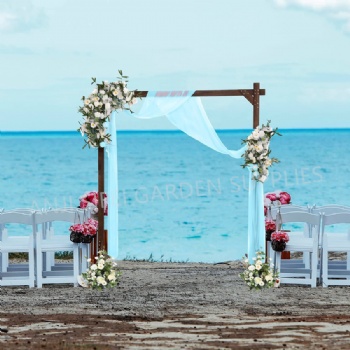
(83,233)
(279,240)
(259,274)
(102,273)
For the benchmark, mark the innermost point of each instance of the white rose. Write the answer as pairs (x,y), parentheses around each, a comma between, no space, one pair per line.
(100,280)
(261,134)
(87,101)
(93,267)
(251,267)
(268,278)
(93,125)
(257,280)
(255,135)
(111,277)
(263,178)
(102,92)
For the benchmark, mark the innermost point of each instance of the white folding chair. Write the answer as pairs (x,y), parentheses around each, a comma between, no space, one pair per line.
(307,243)
(335,272)
(22,224)
(48,241)
(288,208)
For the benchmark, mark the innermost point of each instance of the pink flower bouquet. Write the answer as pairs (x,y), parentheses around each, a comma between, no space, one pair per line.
(83,233)
(90,201)
(279,240)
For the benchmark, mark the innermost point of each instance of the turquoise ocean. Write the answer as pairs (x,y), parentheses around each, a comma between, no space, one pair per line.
(178,200)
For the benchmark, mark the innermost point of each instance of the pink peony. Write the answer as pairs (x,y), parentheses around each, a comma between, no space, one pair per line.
(280,236)
(285,198)
(270,226)
(271,196)
(90,199)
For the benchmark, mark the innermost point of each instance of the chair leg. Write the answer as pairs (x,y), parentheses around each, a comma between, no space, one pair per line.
(325,264)
(76,264)
(39,267)
(314,261)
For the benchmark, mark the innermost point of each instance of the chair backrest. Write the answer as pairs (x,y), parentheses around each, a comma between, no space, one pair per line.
(288,208)
(10,218)
(16,218)
(333,219)
(61,215)
(338,218)
(312,223)
(20,210)
(302,217)
(56,220)
(331,209)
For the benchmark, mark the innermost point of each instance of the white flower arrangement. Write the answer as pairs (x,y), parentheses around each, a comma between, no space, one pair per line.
(257,153)
(103,273)
(259,275)
(97,108)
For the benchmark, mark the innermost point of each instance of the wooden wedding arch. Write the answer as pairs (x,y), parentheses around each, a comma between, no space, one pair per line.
(252,95)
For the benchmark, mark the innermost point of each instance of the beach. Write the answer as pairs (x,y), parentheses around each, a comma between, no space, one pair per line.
(175,306)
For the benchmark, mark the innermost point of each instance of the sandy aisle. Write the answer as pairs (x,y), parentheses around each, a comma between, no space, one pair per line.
(175,306)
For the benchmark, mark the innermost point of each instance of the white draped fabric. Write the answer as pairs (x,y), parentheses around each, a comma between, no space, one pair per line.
(187,114)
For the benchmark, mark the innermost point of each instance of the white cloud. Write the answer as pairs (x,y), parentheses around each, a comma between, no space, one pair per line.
(335,9)
(20,15)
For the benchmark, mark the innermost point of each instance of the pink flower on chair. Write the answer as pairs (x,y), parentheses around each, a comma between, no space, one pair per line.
(285,198)
(90,200)
(271,196)
(280,236)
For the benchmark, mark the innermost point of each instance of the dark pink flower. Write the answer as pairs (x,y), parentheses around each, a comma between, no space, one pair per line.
(270,225)
(271,196)
(285,198)
(280,236)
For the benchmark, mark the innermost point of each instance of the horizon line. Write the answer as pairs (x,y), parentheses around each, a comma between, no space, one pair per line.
(159,130)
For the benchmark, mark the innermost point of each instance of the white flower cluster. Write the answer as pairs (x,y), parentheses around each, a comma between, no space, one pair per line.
(103,273)
(260,274)
(97,108)
(257,152)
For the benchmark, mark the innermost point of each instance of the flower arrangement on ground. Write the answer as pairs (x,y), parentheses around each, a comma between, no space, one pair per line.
(97,107)
(83,233)
(260,274)
(257,153)
(279,240)
(103,273)
(89,200)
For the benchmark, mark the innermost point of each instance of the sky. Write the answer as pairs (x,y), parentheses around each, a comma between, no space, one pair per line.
(298,50)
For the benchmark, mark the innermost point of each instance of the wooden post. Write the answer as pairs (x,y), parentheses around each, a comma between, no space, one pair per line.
(256,104)
(101,245)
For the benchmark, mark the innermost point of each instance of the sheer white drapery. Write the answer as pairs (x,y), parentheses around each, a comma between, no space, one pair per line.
(188,115)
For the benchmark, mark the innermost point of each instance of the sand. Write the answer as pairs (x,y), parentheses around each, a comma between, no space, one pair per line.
(175,306)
